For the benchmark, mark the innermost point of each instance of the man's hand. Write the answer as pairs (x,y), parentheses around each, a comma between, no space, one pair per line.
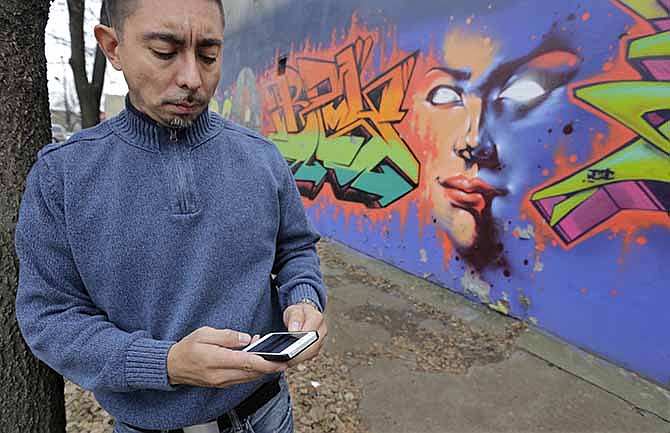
(204,358)
(304,317)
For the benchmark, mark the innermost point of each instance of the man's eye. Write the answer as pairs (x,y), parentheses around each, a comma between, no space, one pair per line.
(523,91)
(208,60)
(162,55)
(444,95)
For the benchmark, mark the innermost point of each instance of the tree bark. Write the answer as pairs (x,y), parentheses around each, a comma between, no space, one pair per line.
(31,394)
(89,93)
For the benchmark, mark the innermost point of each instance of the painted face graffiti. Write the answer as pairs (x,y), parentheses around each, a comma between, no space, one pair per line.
(460,104)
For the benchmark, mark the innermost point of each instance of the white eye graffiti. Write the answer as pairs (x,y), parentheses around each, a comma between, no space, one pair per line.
(443,95)
(523,91)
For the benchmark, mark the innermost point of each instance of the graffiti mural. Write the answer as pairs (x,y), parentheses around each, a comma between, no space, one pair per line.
(332,127)
(246,105)
(514,152)
(637,175)
(241,103)
(465,100)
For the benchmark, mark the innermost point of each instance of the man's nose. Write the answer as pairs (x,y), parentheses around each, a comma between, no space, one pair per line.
(188,75)
(480,147)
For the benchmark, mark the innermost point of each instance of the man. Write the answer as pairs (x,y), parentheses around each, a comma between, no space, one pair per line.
(147,243)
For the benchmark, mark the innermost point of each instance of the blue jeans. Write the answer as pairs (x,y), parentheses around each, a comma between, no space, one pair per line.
(276,416)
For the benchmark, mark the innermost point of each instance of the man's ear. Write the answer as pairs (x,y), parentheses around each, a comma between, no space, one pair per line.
(108,41)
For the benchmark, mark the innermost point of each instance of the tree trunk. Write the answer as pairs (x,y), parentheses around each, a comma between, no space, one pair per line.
(31,394)
(89,93)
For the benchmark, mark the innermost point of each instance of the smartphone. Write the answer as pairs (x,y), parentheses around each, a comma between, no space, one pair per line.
(282,346)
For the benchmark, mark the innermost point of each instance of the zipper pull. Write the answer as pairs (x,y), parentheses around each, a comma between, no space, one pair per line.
(173,135)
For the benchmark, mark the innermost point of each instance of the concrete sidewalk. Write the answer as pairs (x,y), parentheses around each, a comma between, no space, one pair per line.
(427,360)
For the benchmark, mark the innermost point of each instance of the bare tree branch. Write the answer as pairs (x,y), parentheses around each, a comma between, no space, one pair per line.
(100,64)
(89,93)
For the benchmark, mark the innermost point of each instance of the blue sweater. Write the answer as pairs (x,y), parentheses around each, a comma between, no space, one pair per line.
(131,236)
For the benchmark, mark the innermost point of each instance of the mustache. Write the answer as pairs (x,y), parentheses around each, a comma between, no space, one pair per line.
(192,98)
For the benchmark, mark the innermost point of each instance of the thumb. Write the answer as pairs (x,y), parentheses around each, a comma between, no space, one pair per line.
(295,319)
(224,337)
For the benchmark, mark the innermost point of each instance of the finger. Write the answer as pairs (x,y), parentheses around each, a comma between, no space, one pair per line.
(252,363)
(226,378)
(230,377)
(312,320)
(315,349)
(295,318)
(323,331)
(241,381)
(224,337)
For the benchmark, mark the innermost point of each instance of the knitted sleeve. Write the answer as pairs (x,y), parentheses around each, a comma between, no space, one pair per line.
(297,264)
(60,323)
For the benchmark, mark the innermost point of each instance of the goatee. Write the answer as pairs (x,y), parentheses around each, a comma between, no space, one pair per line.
(179,123)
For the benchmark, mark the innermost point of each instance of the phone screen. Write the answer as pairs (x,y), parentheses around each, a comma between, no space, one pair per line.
(275,343)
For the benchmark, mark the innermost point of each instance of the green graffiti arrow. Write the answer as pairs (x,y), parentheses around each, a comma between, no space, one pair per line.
(296,147)
(569,204)
(300,146)
(647,9)
(351,157)
(376,150)
(388,184)
(657,45)
(310,173)
(628,101)
(647,157)
(339,151)
(344,175)
(637,161)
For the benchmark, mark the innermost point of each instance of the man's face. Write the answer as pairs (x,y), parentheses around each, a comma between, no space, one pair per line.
(170,55)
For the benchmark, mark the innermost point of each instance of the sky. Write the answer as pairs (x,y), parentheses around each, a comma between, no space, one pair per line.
(57,52)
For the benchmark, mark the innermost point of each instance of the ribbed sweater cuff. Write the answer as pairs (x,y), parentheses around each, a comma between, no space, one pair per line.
(303,291)
(146,364)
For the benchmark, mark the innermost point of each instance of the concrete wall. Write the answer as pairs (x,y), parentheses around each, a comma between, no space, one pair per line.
(513,151)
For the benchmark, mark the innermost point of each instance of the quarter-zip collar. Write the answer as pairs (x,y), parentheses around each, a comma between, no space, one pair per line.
(140,130)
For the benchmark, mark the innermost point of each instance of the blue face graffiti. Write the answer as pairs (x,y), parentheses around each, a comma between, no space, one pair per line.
(470,102)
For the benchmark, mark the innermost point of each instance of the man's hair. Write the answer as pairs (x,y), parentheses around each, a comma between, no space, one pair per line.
(118,10)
